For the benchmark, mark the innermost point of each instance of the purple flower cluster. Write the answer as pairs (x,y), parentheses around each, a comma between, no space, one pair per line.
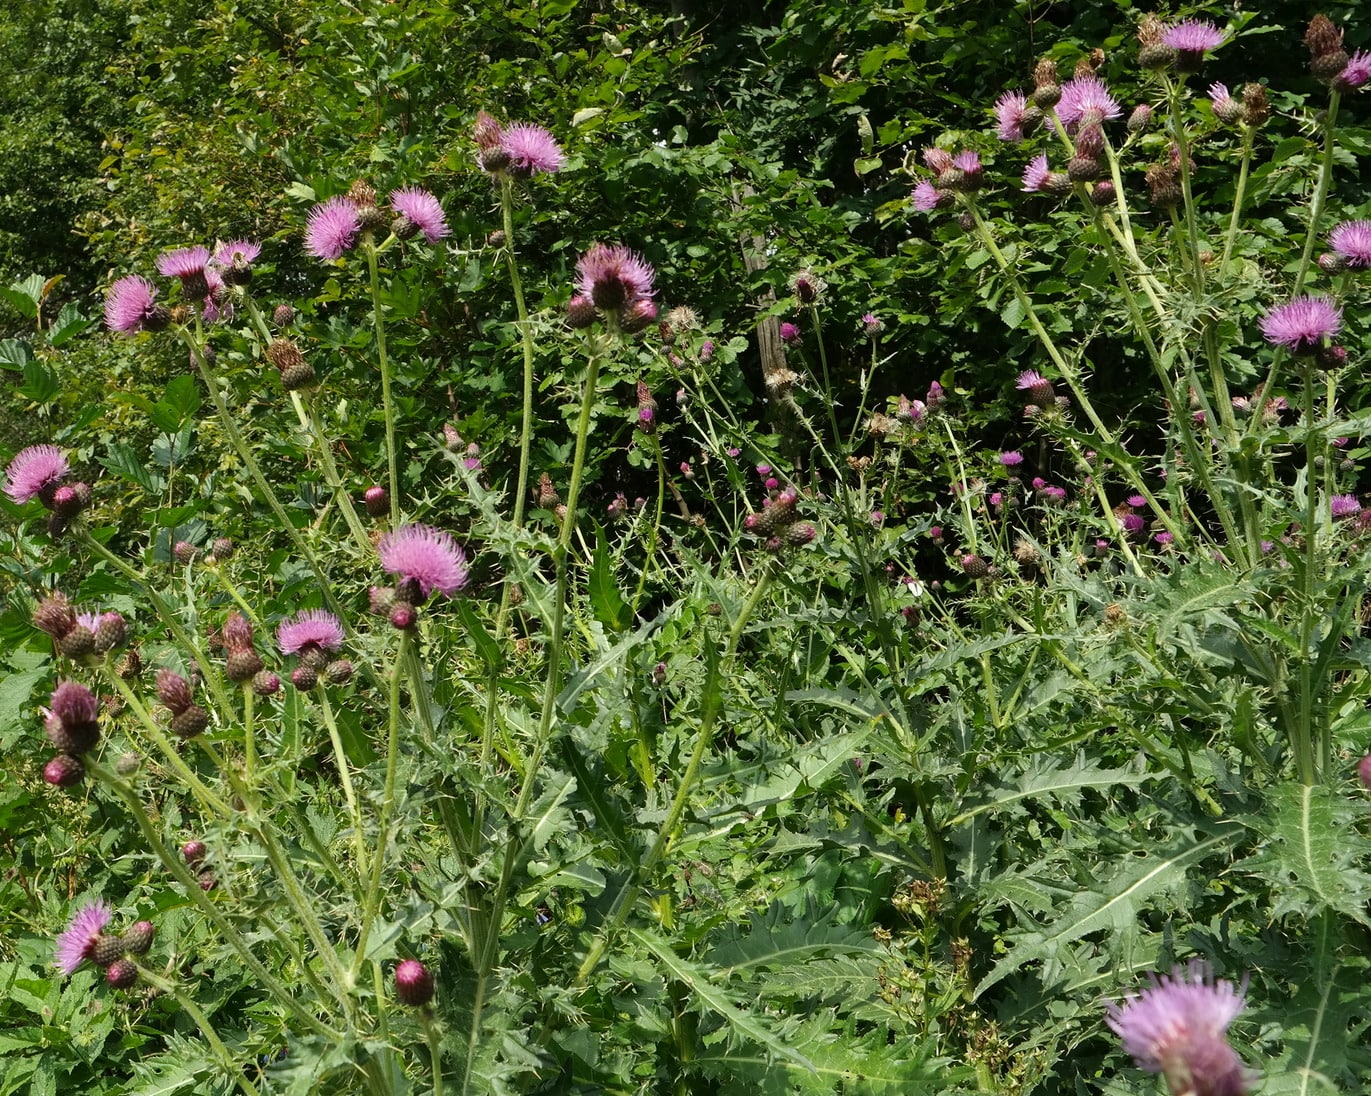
(426,556)
(522,149)
(1302,325)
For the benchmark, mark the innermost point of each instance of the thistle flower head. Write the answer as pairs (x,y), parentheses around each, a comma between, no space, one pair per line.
(73,704)
(129,306)
(78,939)
(421,209)
(1355,74)
(927,197)
(1352,240)
(35,472)
(1302,324)
(1344,506)
(413,983)
(1193,36)
(1086,99)
(332,228)
(613,277)
(1178,1026)
(310,629)
(531,149)
(1009,115)
(425,555)
(236,254)
(186,263)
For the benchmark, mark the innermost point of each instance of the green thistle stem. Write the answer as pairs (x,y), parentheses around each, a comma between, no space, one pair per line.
(383,362)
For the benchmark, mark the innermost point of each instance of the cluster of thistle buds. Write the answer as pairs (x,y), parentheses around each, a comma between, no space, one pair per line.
(1042,397)
(78,636)
(647,409)
(71,724)
(778,521)
(545,497)
(86,940)
(1329,61)
(295,372)
(242,663)
(188,719)
(193,853)
(905,415)
(41,472)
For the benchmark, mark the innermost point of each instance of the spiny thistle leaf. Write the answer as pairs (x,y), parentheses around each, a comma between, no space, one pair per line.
(1313,853)
(1046,777)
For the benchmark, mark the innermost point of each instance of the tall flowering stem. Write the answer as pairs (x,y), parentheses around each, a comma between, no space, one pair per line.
(489,944)
(1239,195)
(1320,192)
(244,451)
(526,340)
(309,422)
(383,363)
(372,905)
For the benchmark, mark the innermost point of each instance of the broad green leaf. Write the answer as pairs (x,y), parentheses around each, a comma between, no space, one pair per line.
(69,323)
(123,461)
(15,354)
(1048,778)
(608,604)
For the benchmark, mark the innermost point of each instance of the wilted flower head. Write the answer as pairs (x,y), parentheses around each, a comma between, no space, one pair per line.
(310,629)
(428,556)
(1178,1027)
(332,228)
(1302,324)
(613,277)
(36,472)
(1352,240)
(1086,99)
(77,941)
(531,149)
(129,306)
(422,211)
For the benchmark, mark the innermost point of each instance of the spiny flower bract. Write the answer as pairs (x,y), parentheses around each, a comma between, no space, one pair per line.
(428,556)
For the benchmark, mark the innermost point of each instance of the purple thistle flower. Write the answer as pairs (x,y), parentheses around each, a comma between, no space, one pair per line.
(35,472)
(1086,100)
(789,332)
(1344,506)
(1029,380)
(1009,112)
(1132,524)
(129,305)
(1355,74)
(422,210)
(310,628)
(1036,174)
(927,197)
(1136,501)
(236,253)
(613,277)
(1352,240)
(1302,324)
(211,310)
(532,149)
(1193,36)
(968,160)
(75,943)
(1011,459)
(1178,1027)
(332,228)
(186,263)
(428,556)
(871,325)
(73,704)
(1164,538)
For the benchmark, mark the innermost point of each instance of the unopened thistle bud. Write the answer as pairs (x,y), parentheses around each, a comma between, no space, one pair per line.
(265,683)
(64,771)
(580,312)
(638,316)
(402,616)
(192,852)
(78,643)
(339,671)
(546,495)
(190,722)
(221,550)
(1140,119)
(413,983)
(173,690)
(973,566)
(283,315)
(376,499)
(138,939)
(304,678)
(1164,183)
